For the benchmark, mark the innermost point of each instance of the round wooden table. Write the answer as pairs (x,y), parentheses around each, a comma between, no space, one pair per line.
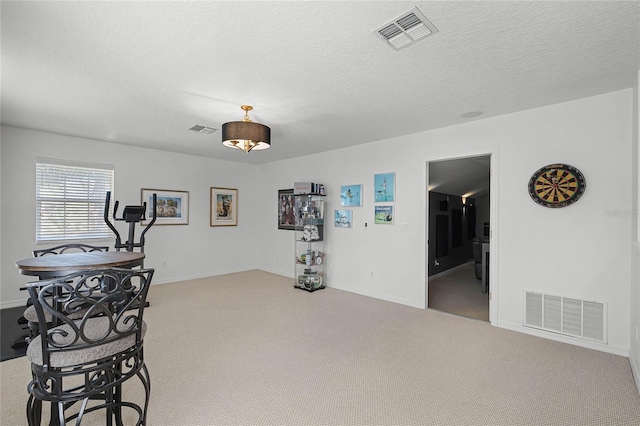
(64,264)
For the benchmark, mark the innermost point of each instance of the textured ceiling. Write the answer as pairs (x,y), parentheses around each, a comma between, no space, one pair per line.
(142,73)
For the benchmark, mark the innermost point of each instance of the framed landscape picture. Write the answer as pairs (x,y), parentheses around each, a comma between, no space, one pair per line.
(351,195)
(384,186)
(172,207)
(224,207)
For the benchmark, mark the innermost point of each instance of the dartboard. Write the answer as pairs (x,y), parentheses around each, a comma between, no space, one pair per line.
(556,185)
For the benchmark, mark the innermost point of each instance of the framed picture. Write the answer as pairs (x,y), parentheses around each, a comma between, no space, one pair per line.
(224,207)
(351,195)
(384,215)
(384,186)
(343,218)
(172,207)
(286,206)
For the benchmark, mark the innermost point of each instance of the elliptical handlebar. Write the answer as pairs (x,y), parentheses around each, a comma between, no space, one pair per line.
(108,222)
(150,224)
(115,207)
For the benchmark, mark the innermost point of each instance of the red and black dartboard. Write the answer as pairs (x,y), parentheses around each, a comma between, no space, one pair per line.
(556,185)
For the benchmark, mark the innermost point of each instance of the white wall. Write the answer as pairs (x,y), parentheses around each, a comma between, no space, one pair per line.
(634,352)
(581,251)
(395,258)
(191,251)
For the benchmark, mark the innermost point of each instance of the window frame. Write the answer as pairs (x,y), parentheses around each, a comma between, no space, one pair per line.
(70,198)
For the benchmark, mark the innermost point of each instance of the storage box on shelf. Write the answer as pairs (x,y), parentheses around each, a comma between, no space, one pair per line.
(309,238)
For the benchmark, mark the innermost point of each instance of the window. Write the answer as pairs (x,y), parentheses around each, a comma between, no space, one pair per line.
(70,200)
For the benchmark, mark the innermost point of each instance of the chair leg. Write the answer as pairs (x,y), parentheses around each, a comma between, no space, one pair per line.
(116,400)
(143,374)
(81,411)
(34,411)
(117,408)
(108,402)
(61,419)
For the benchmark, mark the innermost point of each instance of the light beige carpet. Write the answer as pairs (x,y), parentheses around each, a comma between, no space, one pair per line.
(249,349)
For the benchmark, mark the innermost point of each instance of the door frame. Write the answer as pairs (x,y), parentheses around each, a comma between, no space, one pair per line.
(493,218)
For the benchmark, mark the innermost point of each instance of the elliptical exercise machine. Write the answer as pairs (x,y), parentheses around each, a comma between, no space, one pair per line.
(130,215)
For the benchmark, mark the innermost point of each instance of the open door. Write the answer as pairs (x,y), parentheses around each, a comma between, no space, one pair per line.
(459,192)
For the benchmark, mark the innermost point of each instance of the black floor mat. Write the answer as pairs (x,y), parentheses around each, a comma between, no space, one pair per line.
(12,334)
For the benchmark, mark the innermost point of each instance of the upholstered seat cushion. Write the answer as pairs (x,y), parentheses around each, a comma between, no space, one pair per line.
(94,328)
(30,314)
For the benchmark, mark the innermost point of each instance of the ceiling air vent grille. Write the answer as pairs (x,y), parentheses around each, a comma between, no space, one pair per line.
(202,129)
(406,29)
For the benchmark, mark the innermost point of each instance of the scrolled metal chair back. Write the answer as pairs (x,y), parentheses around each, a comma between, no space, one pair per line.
(69,248)
(90,308)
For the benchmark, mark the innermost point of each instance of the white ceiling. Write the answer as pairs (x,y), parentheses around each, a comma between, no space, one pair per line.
(142,73)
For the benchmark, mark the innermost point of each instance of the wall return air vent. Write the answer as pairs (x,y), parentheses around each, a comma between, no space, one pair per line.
(406,29)
(585,319)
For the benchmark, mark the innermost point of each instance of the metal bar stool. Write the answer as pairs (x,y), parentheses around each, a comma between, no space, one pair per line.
(74,360)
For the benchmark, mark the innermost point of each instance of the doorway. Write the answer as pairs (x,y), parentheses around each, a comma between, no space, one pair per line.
(458,223)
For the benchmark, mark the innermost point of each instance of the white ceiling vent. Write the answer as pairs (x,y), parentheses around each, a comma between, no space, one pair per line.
(406,29)
(202,129)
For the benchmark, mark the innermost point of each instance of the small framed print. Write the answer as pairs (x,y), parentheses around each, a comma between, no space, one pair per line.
(384,215)
(172,207)
(224,207)
(384,186)
(351,195)
(343,218)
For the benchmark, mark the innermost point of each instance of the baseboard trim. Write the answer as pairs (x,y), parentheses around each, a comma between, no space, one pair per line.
(14,303)
(198,276)
(615,350)
(634,370)
(378,296)
(277,272)
(502,324)
(156,281)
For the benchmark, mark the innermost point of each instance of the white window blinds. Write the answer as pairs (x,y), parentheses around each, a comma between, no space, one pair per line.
(70,200)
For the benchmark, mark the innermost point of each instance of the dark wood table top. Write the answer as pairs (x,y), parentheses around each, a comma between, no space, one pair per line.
(63,264)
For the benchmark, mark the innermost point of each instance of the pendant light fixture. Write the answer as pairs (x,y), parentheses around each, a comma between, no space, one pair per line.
(246,135)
